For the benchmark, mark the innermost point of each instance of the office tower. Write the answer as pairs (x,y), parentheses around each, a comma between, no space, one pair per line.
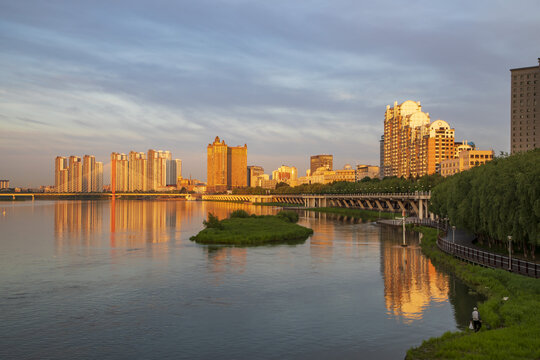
(75,174)
(137,171)
(97,182)
(525,108)
(226,166)
(253,172)
(318,161)
(412,146)
(60,174)
(88,169)
(285,174)
(119,172)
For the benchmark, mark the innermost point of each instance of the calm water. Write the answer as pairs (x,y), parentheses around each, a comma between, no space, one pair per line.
(101,279)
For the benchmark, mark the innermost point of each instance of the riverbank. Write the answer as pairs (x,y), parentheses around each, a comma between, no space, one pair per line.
(254,230)
(355,213)
(511,327)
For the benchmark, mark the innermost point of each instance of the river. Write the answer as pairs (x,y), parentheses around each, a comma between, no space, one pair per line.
(121,279)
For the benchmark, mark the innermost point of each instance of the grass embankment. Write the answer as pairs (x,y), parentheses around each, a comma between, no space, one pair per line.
(355,213)
(278,204)
(511,329)
(253,230)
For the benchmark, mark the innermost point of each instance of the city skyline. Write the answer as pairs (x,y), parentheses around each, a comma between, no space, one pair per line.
(93,78)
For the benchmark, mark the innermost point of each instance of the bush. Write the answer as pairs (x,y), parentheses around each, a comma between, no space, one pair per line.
(288,215)
(213,222)
(239,214)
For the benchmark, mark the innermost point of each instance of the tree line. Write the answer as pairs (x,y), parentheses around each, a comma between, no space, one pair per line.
(364,186)
(495,200)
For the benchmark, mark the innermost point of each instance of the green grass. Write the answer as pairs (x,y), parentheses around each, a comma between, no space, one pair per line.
(511,329)
(254,230)
(355,213)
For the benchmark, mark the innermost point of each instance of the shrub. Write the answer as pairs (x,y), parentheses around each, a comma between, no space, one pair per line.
(288,215)
(213,222)
(239,214)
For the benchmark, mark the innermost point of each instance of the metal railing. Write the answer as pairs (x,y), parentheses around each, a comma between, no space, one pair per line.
(490,260)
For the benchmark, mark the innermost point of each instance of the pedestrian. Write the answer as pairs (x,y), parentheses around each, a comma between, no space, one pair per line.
(475,318)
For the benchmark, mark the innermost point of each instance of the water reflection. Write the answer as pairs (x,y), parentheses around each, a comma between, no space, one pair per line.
(411,282)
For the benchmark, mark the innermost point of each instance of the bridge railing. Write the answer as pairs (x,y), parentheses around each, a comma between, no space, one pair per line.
(490,260)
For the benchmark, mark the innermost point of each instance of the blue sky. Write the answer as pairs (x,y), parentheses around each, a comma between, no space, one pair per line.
(289,78)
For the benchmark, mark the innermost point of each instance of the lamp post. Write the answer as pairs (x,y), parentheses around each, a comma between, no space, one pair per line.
(453,234)
(404,244)
(510,252)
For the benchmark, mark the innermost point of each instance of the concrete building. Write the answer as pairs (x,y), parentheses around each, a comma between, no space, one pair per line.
(253,172)
(97,183)
(119,172)
(174,171)
(88,169)
(157,169)
(317,161)
(525,108)
(61,174)
(466,157)
(369,171)
(4,184)
(287,174)
(412,146)
(75,174)
(137,171)
(226,166)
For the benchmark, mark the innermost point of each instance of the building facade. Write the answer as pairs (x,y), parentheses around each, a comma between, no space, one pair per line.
(465,158)
(525,108)
(317,161)
(226,166)
(413,146)
(4,184)
(253,172)
(287,174)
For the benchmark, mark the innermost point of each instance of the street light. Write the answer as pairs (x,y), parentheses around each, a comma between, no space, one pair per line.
(510,252)
(453,234)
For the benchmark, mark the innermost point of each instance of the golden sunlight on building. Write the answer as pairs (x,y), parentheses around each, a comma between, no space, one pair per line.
(466,157)
(226,166)
(412,146)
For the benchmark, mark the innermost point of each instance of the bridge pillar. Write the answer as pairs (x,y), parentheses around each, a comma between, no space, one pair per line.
(420,209)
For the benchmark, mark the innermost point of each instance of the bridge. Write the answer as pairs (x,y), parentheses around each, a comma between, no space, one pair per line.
(45,196)
(416,203)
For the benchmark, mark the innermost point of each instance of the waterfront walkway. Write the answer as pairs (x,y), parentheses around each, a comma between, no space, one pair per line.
(459,243)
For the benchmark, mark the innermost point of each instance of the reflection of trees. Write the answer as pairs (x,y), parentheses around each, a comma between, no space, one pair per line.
(222,259)
(411,282)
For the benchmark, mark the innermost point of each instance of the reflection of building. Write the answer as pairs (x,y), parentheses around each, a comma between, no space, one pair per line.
(74,220)
(525,108)
(317,161)
(226,166)
(411,282)
(413,146)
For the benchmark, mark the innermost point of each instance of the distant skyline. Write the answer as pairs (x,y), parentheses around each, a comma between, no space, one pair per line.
(289,79)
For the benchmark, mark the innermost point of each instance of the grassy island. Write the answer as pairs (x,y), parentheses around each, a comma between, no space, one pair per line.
(511,315)
(242,228)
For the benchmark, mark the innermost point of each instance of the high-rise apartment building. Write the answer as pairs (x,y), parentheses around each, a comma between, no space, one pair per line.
(88,173)
(226,166)
(97,182)
(174,171)
(525,108)
(4,184)
(119,172)
(137,172)
(412,146)
(318,161)
(61,174)
(75,174)
(157,169)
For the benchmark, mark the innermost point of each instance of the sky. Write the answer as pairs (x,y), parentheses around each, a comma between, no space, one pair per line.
(290,79)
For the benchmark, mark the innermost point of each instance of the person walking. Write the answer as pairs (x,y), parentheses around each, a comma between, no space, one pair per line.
(475,318)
